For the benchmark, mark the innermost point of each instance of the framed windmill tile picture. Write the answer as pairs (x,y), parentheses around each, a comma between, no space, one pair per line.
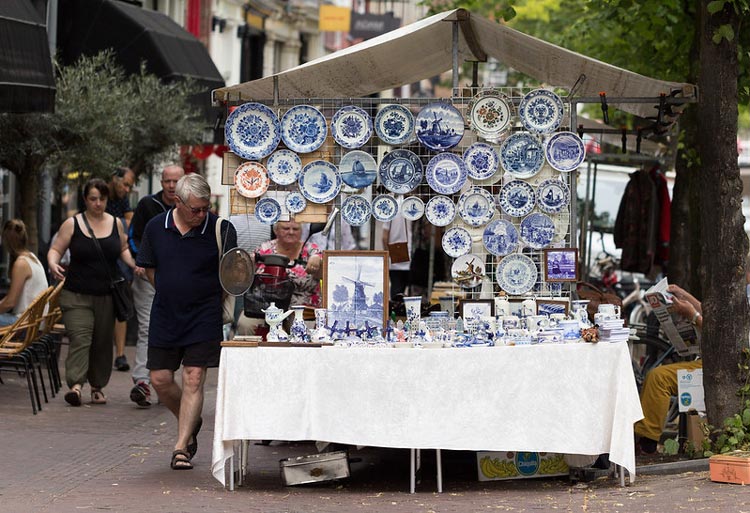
(355,288)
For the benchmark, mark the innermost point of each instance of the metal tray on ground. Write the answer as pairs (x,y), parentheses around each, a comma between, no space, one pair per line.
(315,468)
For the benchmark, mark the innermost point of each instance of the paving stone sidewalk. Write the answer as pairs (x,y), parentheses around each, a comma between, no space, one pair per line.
(115,457)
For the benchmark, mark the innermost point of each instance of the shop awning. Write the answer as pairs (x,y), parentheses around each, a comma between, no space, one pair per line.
(27,82)
(380,64)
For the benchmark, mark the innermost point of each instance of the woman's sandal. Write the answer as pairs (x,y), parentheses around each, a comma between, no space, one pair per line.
(73,397)
(181,460)
(98,397)
(192,447)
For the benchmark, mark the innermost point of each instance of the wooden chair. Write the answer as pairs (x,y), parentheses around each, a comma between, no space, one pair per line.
(51,334)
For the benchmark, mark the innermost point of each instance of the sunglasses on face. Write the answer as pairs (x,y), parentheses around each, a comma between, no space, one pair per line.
(195,211)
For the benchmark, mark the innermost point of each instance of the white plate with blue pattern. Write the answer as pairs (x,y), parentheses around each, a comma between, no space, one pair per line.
(284,167)
(500,237)
(456,242)
(481,161)
(351,127)
(356,210)
(412,208)
(516,274)
(303,129)
(384,208)
(565,151)
(552,196)
(394,124)
(439,126)
(267,210)
(252,131)
(358,169)
(541,111)
(440,211)
(516,198)
(400,171)
(295,202)
(319,181)
(522,155)
(476,206)
(446,173)
(537,230)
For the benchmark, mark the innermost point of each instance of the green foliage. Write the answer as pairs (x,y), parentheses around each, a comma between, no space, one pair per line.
(498,10)
(735,434)
(671,446)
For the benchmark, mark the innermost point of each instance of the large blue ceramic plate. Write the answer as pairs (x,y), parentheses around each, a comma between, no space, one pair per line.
(439,126)
(252,131)
(456,242)
(552,196)
(537,230)
(446,173)
(522,155)
(384,208)
(267,210)
(541,111)
(356,210)
(303,129)
(394,124)
(358,169)
(319,181)
(476,206)
(351,127)
(565,151)
(516,198)
(400,171)
(284,167)
(440,211)
(516,274)
(412,208)
(500,237)
(481,161)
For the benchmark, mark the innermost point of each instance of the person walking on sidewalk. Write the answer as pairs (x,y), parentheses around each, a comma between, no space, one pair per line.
(143,292)
(181,258)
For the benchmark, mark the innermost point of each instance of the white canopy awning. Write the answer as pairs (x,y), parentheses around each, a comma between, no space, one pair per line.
(424,49)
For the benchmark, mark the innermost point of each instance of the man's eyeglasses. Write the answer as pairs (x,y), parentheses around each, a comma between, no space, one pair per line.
(195,211)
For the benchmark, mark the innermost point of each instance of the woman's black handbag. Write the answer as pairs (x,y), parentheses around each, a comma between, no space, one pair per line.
(122,299)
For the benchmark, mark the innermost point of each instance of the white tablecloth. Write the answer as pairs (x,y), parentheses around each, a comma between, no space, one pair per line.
(571,398)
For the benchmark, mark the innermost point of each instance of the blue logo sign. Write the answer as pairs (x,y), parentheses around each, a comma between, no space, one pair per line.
(527,463)
(686,399)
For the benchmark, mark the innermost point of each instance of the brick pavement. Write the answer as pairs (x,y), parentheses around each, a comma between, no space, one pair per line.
(116,458)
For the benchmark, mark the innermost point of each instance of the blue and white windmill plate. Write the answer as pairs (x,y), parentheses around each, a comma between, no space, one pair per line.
(351,127)
(356,210)
(500,237)
(394,124)
(552,196)
(516,274)
(384,208)
(516,198)
(446,173)
(284,167)
(267,210)
(303,129)
(440,211)
(358,169)
(537,230)
(481,161)
(565,151)
(476,206)
(522,155)
(400,171)
(319,181)
(456,242)
(439,126)
(412,208)
(252,131)
(295,202)
(541,111)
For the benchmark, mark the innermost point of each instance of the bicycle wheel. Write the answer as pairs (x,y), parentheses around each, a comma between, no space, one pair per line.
(648,352)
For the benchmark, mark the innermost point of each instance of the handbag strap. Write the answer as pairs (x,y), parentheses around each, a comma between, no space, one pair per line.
(96,243)
(221,246)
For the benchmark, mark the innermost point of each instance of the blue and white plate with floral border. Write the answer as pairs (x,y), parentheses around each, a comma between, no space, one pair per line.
(295,202)
(400,171)
(565,151)
(303,128)
(537,230)
(476,206)
(516,274)
(500,237)
(522,155)
(358,169)
(394,124)
(351,127)
(267,210)
(319,181)
(284,167)
(440,211)
(446,173)
(252,131)
(384,208)
(439,126)
(541,111)
(412,208)
(456,242)
(516,198)
(481,161)
(356,210)
(552,196)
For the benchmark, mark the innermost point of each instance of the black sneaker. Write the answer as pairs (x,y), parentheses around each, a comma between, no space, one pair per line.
(140,394)
(121,363)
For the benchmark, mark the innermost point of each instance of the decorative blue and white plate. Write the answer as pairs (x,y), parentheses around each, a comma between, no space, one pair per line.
(358,169)
(440,211)
(412,208)
(394,124)
(439,126)
(252,131)
(384,208)
(476,206)
(456,242)
(356,210)
(267,210)
(516,274)
(541,111)
(446,173)
(537,230)
(565,151)
(489,114)
(284,167)
(516,198)
(552,196)
(400,171)
(481,161)
(319,181)
(295,202)
(522,155)
(500,237)
(351,127)
(303,129)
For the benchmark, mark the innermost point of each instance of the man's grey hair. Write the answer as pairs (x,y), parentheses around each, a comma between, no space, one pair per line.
(193,185)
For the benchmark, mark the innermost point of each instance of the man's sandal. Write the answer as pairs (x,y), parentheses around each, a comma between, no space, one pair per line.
(98,397)
(181,460)
(73,397)
(192,447)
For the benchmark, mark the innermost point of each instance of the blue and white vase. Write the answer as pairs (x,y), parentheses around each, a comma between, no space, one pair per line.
(298,330)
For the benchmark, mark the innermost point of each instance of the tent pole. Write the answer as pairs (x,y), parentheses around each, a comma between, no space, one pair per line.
(455,59)
(275,90)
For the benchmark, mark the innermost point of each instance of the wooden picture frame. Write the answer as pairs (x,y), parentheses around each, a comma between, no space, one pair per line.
(471,310)
(550,306)
(560,265)
(355,288)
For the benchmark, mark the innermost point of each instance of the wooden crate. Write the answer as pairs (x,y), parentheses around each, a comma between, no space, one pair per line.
(733,467)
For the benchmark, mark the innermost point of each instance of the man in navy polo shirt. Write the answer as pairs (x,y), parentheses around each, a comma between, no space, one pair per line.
(181,259)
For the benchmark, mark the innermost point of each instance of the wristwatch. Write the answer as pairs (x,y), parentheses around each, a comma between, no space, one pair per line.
(694,320)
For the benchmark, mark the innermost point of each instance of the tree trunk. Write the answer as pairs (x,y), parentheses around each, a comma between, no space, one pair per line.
(28,189)
(724,242)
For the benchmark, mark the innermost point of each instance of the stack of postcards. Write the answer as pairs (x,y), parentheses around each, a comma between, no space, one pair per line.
(613,330)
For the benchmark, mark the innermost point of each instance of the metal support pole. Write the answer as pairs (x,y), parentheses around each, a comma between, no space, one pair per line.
(455,59)
(431,266)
